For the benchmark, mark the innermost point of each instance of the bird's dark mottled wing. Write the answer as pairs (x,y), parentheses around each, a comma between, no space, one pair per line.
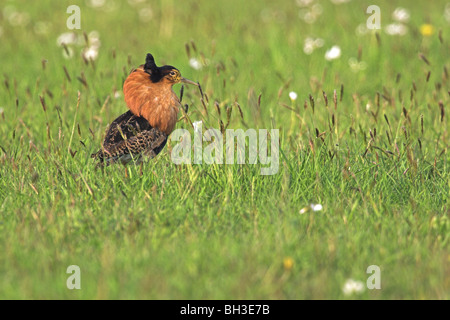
(128,137)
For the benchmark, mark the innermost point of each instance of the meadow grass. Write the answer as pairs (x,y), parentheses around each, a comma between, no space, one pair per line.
(368,140)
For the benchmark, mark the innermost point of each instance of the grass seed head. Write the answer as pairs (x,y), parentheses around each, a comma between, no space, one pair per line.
(325,98)
(422,56)
(216,104)
(311,101)
(441,107)
(335,99)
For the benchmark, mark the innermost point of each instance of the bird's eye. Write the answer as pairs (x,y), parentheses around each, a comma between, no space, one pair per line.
(172,73)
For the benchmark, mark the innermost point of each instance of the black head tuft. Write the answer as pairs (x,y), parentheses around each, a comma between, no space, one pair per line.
(151,68)
(150,63)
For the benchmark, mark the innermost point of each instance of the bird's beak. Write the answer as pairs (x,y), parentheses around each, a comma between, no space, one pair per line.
(188,81)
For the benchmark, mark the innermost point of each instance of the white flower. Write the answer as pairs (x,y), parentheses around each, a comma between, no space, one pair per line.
(361,29)
(333,53)
(293,95)
(308,47)
(194,63)
(447,12)
(400,15)
(146,14)
(66,38)
(304,3)
(90,53)
(18,19)
(94,39)
(318,43)
(198,126)
(340,1)
(351,286)
(396,29)
(310,14)
(96,3)
(317,9)
(311,44)
(42,27)
(313,207)
(303,210)
(356,65)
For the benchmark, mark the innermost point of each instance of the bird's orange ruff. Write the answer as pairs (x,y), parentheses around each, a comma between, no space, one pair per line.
(156,102)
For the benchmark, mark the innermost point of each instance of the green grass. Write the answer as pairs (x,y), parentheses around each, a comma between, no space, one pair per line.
(379,164)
